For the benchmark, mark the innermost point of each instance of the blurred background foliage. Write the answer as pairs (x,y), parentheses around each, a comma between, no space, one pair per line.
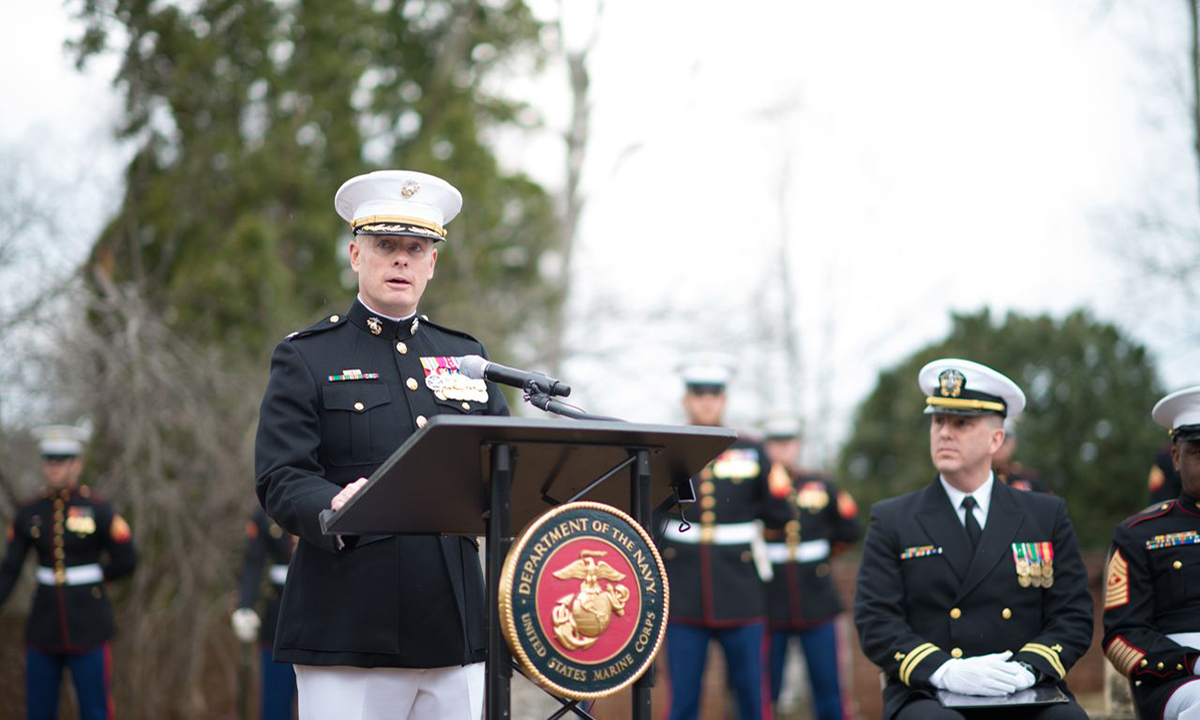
(1086,428)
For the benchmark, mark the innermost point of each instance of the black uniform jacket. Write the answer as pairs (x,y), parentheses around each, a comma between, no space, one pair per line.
(342,396)
(268,547)
(801,593)
(923,597)
(1153,590)
(715,583)
(68,529)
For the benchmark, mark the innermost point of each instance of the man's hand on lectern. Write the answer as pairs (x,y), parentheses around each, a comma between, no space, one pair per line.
(347,492)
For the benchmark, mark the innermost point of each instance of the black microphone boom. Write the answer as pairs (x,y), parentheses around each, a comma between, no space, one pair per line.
(477,368)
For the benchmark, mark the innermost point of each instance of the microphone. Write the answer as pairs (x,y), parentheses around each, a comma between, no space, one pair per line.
(476,368)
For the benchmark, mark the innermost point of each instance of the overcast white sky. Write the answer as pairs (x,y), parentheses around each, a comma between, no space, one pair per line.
(941,156)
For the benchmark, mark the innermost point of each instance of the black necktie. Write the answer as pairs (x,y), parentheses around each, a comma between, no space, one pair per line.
(973,531)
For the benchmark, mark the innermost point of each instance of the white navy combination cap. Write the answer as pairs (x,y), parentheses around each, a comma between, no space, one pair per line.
(960,387)
(781,428)
(398,202)
(60,440)
(1179,413)
(707,372)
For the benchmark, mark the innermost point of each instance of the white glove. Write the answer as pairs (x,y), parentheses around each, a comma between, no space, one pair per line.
(1025,679)
(245,624)
(987,675)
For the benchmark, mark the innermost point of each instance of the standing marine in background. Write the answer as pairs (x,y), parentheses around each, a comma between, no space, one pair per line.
(717,565)
(1009,471)
(803,601)
(81,543)
(1152,590)
(268,548)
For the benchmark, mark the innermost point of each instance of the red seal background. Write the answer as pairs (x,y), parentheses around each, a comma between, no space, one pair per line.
(550,589)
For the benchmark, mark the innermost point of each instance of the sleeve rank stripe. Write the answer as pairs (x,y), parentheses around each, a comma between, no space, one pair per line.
(1116,585)
(1123,656)
(914,659)
(1050,656)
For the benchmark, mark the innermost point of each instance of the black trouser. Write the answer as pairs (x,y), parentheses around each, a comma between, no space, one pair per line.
(926,709)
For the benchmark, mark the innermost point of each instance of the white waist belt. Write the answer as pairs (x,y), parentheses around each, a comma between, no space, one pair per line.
(808,551)
(279,574)
(1187,639)
(78,575)
(728,534)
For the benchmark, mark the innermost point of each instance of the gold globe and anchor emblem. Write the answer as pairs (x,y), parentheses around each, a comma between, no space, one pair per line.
(581,618)
(584,600)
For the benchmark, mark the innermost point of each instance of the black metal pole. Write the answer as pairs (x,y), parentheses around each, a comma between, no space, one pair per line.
(498,686)
(643,513)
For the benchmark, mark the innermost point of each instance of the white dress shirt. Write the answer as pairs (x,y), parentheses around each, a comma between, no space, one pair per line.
(982,495)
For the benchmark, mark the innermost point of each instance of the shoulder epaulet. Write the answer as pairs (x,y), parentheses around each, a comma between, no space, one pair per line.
(326,323)
(426,321)
(1155,510)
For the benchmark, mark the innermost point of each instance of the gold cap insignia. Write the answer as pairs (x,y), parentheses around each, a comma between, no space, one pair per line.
(375,325)
(950,383)
(409,188)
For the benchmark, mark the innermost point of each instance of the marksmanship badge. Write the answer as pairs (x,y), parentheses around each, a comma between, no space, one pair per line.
(584,600)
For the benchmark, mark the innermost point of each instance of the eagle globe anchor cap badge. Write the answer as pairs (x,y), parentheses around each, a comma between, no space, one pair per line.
(584,601)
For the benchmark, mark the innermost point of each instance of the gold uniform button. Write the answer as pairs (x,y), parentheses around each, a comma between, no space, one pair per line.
(792,526)
(707,487)
(411,383)
(58,553)
(1161,666)
(466,406)
(1164,506)
(707,502)
(60,576)
(1176,564)
(1144,663)
(707,517)
(956,653)
(359,406)
(58,504)
(401,348)
(1178,666)
(955,613)
(334,318)
(58,540)
(1006,613)
(421,421)
(669,553)
(746,556)
(35,532)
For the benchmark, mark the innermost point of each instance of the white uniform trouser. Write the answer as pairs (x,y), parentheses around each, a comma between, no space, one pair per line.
(1184,703)
(352,693)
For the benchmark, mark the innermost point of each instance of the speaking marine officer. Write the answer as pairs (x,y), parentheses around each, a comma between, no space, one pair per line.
(379,626)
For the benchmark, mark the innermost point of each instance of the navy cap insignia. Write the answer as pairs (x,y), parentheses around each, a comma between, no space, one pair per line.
(375,325)
(584,601)
(950,383)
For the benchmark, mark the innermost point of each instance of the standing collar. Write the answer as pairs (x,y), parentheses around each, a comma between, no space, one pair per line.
(982,494)
(383,326)
(1189,503)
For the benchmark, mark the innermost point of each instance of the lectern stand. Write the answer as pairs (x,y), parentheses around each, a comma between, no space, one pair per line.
(463,475)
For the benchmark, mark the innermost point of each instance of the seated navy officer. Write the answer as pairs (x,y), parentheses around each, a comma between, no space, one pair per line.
(803,602)
(389,627)
(969,585)
(717,566)
(81,543)
(1152,596)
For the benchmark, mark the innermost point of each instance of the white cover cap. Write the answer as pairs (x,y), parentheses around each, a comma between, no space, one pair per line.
(64,440)
(707,370)
(1179,409)
(400,202)
(962,387)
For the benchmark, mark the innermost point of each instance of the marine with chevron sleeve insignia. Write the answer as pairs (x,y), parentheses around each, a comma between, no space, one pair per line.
(1152,588)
